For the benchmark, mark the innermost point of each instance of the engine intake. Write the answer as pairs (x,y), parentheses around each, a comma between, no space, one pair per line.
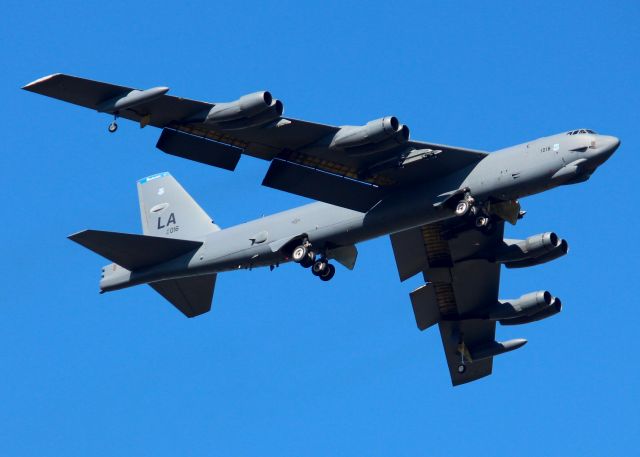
(377,135)
(249,110)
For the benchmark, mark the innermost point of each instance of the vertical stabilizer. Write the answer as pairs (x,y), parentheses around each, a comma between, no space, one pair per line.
(167,210)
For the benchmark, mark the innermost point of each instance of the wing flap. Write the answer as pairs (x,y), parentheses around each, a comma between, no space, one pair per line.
(199,149)
(408,249)
(320,185)
(425,306)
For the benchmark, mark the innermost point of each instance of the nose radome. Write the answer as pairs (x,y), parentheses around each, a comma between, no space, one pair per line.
(610,143)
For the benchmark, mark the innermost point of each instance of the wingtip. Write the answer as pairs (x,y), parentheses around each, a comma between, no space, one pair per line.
(76,235)
(39,81)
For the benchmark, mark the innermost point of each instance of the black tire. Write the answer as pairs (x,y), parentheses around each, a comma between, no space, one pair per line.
(462,368)
(319,267)
(462,208)
(482,221)
(112,127)
(299,254)
(329,273)
(307,262)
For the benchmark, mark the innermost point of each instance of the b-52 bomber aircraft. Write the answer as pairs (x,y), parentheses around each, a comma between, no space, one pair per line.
(444,208)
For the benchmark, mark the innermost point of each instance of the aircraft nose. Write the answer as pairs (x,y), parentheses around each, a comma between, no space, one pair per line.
(605,146)
(609,144)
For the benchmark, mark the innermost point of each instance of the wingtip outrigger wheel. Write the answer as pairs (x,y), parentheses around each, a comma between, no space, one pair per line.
(114,125)
(462,350)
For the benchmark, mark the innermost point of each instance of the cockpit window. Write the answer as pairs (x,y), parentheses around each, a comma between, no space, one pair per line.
(576,132)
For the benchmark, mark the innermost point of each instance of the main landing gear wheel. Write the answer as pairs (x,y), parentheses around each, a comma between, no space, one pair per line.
(299,254)
(482,221)
(328,273)
(462,208)
(308,260)
(113,127)
(319,267)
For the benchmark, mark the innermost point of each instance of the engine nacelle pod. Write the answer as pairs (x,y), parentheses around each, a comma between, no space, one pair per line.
(248,111)
(554,308)
(553,254)
(377,135)
(526,305)
(535,250)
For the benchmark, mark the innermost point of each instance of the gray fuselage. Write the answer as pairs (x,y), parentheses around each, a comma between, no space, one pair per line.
(506,174)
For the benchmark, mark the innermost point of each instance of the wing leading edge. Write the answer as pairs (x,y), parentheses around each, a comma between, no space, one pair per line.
(355,177)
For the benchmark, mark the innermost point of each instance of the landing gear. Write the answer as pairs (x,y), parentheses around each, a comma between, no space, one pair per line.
(299,253)
(329,272)
(462,208)
(303,255)
(323,269)
(482,221)
(319,267)
(114,125)
(306,257)
(462,350)
(309,260)
(477,211)
(465,205)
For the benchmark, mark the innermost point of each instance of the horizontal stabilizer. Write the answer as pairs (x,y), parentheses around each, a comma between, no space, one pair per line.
(192,295)
(133,252)
(199,149)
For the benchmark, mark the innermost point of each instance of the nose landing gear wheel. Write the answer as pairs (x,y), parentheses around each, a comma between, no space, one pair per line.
(462,368)
(329,272)
(112,127)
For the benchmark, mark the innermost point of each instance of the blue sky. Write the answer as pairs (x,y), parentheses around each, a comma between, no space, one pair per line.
(284,364)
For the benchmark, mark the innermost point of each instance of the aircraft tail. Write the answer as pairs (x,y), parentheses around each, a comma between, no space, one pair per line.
(174,225)
(168,211)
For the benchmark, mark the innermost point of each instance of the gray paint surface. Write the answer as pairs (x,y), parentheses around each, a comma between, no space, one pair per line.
(372,181)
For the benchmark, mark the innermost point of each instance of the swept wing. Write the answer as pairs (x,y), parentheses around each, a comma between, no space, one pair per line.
(461,282)
(349,166)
